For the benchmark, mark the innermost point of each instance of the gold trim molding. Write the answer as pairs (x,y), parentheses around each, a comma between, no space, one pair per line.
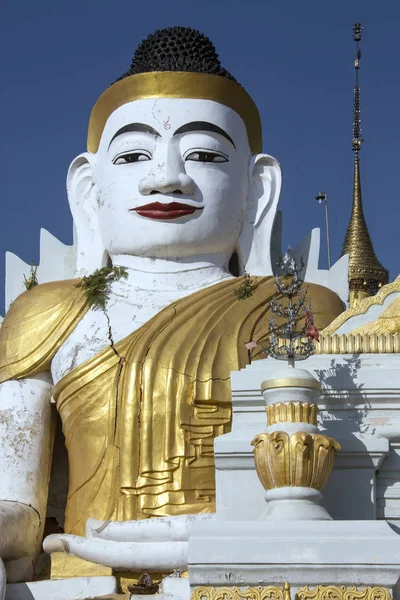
(362,307)
(297,460)
(236,593)
(358,343)
(292,412)
(320,592)
(333,592)
(290,382)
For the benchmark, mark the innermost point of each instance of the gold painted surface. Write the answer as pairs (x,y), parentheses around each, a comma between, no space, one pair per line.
(151,452)
(357,295)
(36,325)
(363,264)
(146,426)
(237,593)
(333,592)
(176,84)
(297,460)
(362,308)
(65,566)
(290,382)
(388,322)
(292,412)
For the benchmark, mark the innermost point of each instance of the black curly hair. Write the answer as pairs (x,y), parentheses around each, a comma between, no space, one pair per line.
(177,49)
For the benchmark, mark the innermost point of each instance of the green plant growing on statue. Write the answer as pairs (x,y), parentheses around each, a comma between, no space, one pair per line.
(97,286)
(246,288)
(32,281)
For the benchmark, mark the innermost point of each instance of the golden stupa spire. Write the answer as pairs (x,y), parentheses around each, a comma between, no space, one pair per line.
(366,274)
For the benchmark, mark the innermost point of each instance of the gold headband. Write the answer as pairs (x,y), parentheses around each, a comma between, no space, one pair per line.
(175,84)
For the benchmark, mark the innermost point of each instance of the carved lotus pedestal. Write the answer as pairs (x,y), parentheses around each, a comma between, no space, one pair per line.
(293,458)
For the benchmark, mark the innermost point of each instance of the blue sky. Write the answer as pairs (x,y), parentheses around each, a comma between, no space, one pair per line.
(294,58)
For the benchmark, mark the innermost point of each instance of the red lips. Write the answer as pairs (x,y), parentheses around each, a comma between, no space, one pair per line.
(172,210)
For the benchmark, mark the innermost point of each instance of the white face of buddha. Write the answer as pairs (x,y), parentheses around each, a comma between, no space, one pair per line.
(172,179)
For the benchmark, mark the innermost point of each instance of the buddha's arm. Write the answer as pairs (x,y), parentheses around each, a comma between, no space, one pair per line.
(130,556)
(162,529)
(157,544)
(25,454)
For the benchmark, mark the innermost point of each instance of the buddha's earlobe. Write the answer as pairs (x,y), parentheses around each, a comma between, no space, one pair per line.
(82,197)
(254,244)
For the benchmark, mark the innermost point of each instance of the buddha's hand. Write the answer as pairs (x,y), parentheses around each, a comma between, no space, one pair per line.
(158,544)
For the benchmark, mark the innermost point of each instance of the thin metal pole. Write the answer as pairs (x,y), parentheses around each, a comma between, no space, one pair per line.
(323,197)
(328,241)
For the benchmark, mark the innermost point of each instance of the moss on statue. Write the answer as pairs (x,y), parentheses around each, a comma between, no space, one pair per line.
(246,289)
(96,286)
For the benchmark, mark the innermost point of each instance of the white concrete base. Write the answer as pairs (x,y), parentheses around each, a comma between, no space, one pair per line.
(77,588)
(294,504)
(255,553)
(173,588)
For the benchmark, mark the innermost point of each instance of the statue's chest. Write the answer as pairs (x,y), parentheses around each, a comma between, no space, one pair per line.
(96,330)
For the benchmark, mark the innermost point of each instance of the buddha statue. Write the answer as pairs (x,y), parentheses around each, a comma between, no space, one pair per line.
(172,186)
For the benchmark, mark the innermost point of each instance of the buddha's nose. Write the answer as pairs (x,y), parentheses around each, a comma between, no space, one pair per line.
(168,177)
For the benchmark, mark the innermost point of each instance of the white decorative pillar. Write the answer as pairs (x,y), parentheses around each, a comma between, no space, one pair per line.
(293,458)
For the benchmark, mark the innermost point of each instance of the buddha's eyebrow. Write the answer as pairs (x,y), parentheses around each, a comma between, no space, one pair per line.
(140,127)
(203,126)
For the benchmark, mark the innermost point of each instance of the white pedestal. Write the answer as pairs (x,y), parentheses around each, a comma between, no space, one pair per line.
(173,588)
(294,504)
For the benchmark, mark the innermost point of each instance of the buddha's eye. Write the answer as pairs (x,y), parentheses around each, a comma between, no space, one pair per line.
(206,157)
(131,157)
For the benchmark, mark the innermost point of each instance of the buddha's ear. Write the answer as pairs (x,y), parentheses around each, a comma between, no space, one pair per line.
(254,244)
(83,201)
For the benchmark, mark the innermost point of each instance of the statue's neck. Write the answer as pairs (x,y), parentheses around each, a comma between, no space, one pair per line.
(164,275)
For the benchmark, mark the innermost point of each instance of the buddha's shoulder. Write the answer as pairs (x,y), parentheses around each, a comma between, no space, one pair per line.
(42,298)
(36,324)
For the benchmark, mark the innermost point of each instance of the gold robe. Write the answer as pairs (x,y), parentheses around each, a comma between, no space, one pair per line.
(140,423)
